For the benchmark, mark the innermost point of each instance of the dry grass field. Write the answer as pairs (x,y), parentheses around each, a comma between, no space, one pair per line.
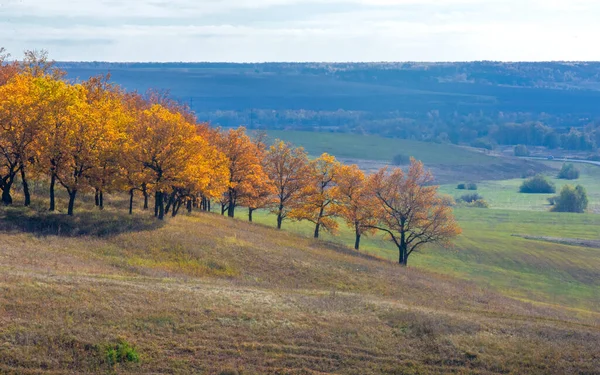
(107,293)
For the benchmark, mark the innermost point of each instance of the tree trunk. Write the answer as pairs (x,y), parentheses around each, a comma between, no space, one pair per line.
(157,199)
(357,233)
(319,222)
(357,241)
(145,191)
(161,206)
(250,211)
(190,204)
(101,200)
(25,187)
(208,205)
(403,248)
(317,227)
(231,204)
(170,203)
(131,191)
(6,197)
(176,207)
(72,195)
(223,209)
(96,198)
(52,184)
(280,216)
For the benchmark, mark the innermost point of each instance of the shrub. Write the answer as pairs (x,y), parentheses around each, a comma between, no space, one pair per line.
(470,198)
(571,199)
(480,203)
(400,159)
(537,185)
(121,352)
(521,150)
(568,172)
(470,186)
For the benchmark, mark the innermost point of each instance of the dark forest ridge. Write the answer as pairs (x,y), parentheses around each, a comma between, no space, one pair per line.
(441,102)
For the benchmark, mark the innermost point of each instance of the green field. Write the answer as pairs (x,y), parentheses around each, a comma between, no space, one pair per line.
(504,194)
(355,146)
(488,253)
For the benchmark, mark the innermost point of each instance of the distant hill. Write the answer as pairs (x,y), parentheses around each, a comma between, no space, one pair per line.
(455,102)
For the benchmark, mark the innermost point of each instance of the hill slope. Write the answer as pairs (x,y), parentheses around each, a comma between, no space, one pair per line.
(203,294)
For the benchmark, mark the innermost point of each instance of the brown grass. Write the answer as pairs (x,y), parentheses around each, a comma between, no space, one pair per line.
(203,294)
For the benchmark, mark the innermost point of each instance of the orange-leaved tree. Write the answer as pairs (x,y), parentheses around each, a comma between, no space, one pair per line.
(160,143)
(287,168)
(246,173)
(411,211)
(320,197)
(357,203)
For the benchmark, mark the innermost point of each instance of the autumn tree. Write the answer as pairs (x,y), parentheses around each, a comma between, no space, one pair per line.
(89,131)
(162,143)
(21,118)
(109,100)
(246,174)
(357,203)
(59,107)
(320,196)
(287,167)
(410,209)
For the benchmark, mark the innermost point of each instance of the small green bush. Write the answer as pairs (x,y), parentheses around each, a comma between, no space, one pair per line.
(480,203)
(568,172)
(121,352)
(470,198)
(521,150)
(469,186)
(537,185)
(571,199)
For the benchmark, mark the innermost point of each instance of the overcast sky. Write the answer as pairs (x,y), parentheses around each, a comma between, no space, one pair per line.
(303,30)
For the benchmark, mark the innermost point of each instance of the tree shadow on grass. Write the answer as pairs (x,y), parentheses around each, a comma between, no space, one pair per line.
(85,223)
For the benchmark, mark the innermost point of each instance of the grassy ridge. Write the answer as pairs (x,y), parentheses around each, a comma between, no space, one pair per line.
(204,294)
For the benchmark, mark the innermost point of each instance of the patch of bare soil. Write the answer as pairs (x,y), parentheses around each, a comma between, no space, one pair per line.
(564,241)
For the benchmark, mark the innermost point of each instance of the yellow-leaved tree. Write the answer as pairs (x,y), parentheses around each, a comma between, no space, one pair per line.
(411,211)
(21,120)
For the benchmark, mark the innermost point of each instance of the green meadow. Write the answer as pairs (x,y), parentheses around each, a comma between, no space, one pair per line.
(381,149)
(490,251)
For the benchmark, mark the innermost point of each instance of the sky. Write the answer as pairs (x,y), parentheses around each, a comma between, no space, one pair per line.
(303,30)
